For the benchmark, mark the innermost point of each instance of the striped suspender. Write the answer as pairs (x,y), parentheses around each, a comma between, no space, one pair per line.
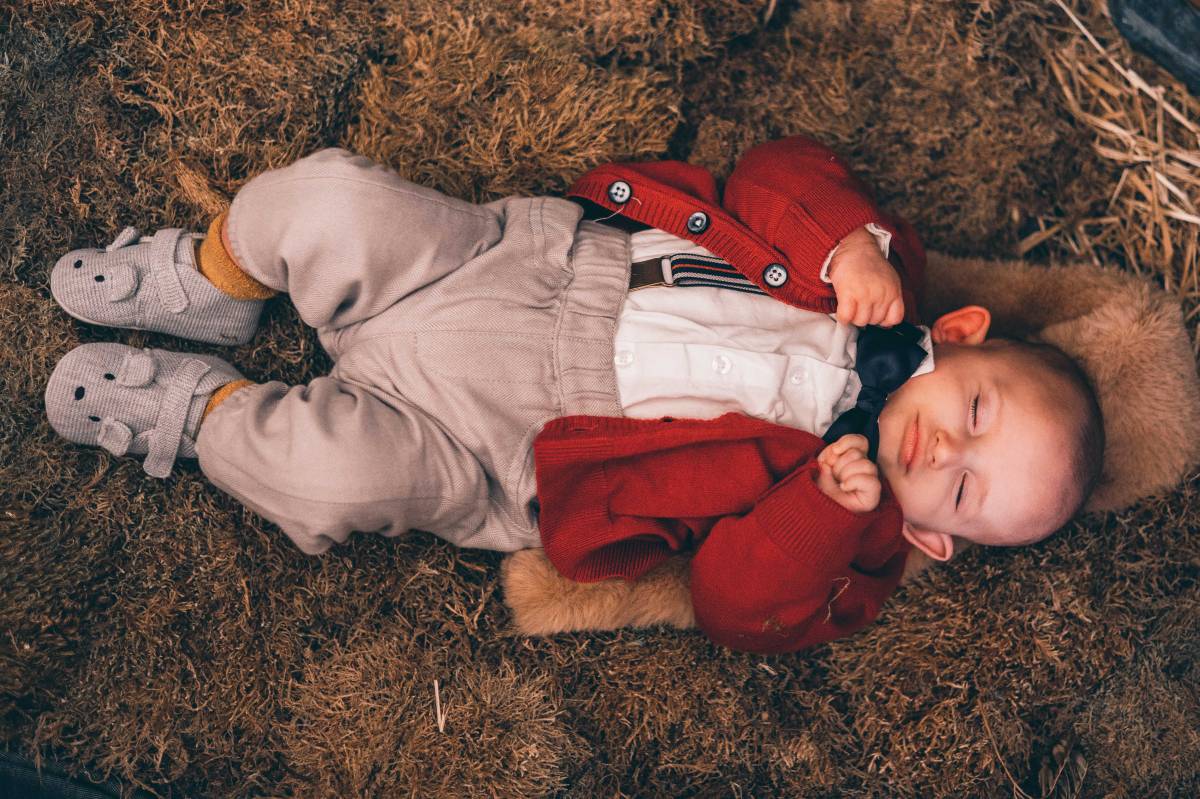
(703,270)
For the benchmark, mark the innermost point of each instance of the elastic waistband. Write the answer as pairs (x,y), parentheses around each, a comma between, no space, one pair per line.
(599,261)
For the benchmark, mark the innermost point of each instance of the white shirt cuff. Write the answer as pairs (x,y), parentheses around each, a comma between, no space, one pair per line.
(882,237)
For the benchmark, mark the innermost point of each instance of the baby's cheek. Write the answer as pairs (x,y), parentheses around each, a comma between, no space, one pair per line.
(915,501)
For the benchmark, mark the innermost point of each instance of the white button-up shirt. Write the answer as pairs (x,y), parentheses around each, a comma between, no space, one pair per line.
(698,351)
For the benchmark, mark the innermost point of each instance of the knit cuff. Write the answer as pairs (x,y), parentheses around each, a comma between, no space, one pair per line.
(807,525)
(809,231)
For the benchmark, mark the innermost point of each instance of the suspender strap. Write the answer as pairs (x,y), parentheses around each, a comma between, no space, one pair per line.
(688,269)
(702,270)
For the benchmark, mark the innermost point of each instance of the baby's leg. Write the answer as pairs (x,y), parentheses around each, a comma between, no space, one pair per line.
(330,458)
(347,238)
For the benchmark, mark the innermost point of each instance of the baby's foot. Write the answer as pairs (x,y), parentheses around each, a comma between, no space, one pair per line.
(151,283)
(142,402)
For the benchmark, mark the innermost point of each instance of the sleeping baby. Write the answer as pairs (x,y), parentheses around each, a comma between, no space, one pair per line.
(643,367)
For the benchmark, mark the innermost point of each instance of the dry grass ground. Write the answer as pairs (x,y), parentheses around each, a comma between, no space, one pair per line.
(159,633)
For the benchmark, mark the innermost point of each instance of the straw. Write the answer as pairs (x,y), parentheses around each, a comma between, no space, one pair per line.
(1151,222)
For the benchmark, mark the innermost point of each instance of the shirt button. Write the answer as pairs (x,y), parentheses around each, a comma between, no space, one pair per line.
(797,378)
(697,222)
(619,192)
(721,364)
(775,275)
(623,358)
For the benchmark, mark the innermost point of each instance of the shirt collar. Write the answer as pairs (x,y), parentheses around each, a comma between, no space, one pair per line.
(926,344)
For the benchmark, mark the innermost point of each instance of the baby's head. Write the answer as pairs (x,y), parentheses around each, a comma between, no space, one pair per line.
(1000,444)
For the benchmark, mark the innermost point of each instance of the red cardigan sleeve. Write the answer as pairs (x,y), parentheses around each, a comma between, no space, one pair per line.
(789,200)
(808,199)
(771,582)
(775,569)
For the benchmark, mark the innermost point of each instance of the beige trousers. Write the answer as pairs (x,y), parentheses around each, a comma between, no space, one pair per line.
(457,331)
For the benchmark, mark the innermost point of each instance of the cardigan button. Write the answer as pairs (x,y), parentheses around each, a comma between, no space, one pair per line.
(697,222)
(619,192)
(775,275)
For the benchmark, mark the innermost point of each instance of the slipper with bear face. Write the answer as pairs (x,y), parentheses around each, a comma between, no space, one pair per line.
(151,283)
(131,401)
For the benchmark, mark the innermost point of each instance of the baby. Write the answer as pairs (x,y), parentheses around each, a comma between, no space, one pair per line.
(512,375)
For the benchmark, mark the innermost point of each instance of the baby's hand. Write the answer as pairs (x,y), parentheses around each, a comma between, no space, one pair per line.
(847,476)
(865,284)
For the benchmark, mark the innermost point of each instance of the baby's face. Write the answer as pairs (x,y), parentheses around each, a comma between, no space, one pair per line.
(977,447)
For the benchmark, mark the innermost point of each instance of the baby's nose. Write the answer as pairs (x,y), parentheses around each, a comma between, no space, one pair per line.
(944,450)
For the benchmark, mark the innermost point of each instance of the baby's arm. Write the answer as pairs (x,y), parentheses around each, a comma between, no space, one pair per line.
(830,209)
(781,565)
(793,572)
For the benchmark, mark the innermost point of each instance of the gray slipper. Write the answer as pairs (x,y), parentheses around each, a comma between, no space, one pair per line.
(141,402)
(151,283)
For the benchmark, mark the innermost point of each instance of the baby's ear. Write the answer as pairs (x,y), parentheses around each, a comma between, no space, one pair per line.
(939,546)
(967,325)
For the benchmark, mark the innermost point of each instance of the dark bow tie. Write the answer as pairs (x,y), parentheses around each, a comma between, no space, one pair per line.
(886,357)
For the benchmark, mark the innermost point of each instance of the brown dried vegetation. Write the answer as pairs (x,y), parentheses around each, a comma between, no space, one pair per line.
(158,633)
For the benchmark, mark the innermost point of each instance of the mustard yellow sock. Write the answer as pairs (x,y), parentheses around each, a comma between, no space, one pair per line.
(221,394)
(216,263)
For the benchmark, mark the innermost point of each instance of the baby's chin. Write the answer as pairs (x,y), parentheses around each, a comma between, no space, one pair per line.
(893,474)
(889,443)
(888,468)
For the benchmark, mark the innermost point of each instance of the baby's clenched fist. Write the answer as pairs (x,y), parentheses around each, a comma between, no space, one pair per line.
(847,476)
(865,283)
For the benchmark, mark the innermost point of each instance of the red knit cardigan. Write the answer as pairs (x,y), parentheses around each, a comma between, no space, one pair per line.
(778,565)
